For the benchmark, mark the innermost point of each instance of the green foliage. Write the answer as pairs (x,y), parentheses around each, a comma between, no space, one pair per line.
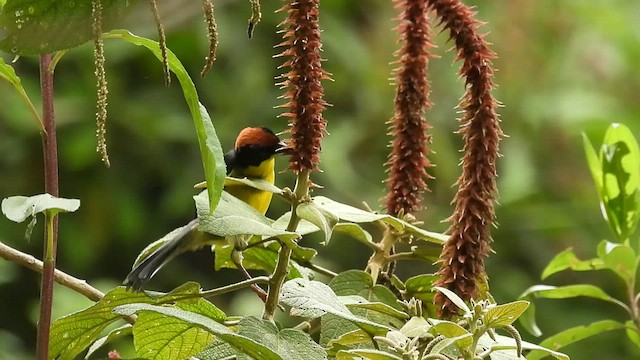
(357,318)
(616,173)
(34,27)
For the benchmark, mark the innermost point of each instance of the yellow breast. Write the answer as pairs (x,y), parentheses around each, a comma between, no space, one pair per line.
(257,199)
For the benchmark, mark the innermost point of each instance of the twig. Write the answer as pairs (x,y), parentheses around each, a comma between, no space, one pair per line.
(62,278)
(282,266)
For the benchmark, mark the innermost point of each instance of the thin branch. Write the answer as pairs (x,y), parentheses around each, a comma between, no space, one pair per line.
(78,285)
(319,269)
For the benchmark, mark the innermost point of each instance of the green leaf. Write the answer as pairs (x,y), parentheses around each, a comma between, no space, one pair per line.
(633,333)
(568,260)
(290,344)
(18,208)
(528,320)
(568,291)
(417,326)
(352,339)
(114,334)
(324,220)
(454,299)
(257,257)
(358,302)
(32,27)
(619,258)
(234,217)
(421,287)
(352,214)
(504,314)
(573,335)
(156,336)
(73,333)
(369,354)
(239,342)
(593,161)
(454,334)
(259,184)
(617,178)
(355,231)
(210,148)
(218,349)
(313,299)
(304,227)
(501,342)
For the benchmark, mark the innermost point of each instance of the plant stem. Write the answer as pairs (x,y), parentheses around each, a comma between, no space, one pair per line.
(50,150)
(235,286)
(300,193)
(26,260)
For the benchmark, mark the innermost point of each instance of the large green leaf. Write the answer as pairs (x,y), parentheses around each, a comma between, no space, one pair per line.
(504,314)
(567,259)
(358,283)
(617,177)
(568,291)
(313,299)
(290,344)
(619,258)
(19,208)
(156,336)
(234,217)
(573,335)
(73,333)
(504,348)
(210,148)
(31,27)
(241,343)
(352,214)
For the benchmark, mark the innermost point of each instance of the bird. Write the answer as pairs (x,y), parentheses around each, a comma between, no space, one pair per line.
(252,157)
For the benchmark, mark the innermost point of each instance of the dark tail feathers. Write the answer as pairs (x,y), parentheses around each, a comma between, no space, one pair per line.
(141,274)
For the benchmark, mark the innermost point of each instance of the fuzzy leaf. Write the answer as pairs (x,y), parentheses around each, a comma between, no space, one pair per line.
(290,344)
(503,342)
(234,217)
(324,220)
(313,299)
(19,208)
(352,214)
(369,354)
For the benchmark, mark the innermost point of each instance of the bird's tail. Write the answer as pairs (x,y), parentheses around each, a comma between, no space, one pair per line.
(144,271)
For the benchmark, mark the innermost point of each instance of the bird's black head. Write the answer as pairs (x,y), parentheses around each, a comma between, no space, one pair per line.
(252,147)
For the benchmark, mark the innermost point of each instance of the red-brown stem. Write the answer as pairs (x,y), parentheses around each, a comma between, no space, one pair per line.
(50,150)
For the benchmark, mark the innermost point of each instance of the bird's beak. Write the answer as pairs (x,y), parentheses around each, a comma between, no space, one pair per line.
(284,149)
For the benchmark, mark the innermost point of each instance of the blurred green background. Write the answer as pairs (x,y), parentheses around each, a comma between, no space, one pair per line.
(564,67)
